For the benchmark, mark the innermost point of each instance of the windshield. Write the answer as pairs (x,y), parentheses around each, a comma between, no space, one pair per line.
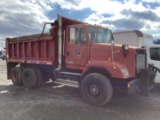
(99,35)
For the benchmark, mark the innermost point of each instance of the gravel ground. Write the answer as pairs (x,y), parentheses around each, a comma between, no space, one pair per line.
(57,102)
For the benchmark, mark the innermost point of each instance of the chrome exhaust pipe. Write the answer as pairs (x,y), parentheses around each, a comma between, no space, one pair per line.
(59,46)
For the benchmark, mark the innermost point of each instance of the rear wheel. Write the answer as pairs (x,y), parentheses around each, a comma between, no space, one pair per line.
(16,75)
(29,78)
(39,77)
(96,89)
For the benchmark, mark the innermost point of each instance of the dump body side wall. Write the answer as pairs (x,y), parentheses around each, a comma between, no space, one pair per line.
(32,51)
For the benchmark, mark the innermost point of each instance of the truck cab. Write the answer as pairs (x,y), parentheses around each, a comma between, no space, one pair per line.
(79,44)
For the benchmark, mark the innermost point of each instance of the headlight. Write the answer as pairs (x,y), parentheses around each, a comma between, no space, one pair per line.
(125,72)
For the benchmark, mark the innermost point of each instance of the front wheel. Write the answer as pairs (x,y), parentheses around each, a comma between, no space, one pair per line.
(96,89)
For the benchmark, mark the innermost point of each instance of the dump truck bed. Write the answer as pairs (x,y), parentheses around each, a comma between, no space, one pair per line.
(27,49)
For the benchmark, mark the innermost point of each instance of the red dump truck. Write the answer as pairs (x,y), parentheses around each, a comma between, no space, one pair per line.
(81,55)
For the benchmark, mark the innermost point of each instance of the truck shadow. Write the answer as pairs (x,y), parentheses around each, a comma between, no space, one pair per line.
(157,88)
(119,100)
(46,89)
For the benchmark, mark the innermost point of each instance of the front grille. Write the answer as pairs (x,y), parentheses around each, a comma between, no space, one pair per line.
(140,60)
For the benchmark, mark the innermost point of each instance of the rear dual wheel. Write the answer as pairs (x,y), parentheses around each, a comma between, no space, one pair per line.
(32,78)
(16,75)
(29,78)
(39,77)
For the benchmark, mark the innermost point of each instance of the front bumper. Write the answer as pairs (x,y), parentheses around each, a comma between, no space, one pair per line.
(133,86)
(143,84)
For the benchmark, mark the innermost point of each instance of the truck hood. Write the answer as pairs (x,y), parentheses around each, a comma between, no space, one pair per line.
(116,46)
(103,52)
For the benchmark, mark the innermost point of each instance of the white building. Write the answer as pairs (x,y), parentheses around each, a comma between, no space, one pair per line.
(2,45)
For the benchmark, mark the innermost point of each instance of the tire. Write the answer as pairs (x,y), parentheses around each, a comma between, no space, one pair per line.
(29,78)
(96,89)
(39,77)
(16,75)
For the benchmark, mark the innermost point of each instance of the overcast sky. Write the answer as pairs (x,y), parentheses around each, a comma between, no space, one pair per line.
(23,17)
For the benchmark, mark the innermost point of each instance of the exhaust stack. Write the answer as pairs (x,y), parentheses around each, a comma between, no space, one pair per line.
(59,46)
(59,41)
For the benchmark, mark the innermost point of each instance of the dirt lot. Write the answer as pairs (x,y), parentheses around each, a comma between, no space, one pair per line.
(54,102)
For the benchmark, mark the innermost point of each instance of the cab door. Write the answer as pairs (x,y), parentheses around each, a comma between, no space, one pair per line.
(77,50)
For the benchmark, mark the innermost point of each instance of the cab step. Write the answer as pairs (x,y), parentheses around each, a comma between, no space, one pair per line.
(68,75)
(67,83)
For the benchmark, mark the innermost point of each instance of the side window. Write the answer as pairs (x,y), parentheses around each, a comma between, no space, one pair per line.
(155,54)
(77,35)
(92,37)
(72,35)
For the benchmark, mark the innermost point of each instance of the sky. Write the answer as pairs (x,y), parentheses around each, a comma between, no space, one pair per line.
(24,17)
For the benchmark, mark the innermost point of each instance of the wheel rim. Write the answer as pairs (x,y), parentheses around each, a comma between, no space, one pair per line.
(94,90)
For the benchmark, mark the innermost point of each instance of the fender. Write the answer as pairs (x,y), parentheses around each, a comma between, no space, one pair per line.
(108,66)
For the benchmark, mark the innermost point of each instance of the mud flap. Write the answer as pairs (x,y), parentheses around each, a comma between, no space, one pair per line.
(147,81)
